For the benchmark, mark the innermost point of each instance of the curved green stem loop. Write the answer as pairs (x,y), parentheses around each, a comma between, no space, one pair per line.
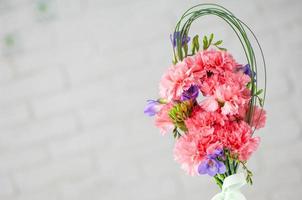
(184,24)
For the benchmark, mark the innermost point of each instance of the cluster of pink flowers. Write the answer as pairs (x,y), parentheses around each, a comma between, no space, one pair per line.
(218,119)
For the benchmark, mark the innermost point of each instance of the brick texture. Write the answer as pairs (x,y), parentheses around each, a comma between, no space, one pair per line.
(74,78)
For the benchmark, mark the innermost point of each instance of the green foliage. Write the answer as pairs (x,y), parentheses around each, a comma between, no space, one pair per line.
(249,173)
(182,51)
(249,85)
(259,92)
(195,44)
(218,180)
(207,42)
(179,113)
(256,93)
(186,49)
(176,133)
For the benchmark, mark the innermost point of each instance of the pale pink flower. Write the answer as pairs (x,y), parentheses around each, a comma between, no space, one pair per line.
(237,136)
(228,97)
(259,117)
(209,131)
(191,149)
(193,70)
(248,148)
(175,81)
(216,61)
(201,120)
(209,104)
(162,119)
(208,84)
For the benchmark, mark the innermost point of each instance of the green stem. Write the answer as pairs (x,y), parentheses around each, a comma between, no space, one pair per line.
(235,164)
(218,181)
(232,167)
(221,177)
(228,167)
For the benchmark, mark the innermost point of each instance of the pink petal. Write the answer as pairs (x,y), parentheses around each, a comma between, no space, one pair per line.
(209,104)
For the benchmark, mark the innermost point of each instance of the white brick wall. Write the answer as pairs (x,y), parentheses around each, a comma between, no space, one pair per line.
(74,77)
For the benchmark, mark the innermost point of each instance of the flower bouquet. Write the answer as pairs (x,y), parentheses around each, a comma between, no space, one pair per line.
(212,103)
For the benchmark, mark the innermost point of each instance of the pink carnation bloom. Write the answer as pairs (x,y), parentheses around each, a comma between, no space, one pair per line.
(237,136)
(201,120)
(259,117)
(247,149)
(162,119)
(217,61)
(191,149)
(175,81)
(214,61)
(193,70)
(230,96)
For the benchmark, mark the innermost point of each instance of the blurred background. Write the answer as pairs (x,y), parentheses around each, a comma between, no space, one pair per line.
(74,79)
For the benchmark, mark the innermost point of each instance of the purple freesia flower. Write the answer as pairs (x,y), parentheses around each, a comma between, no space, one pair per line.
(217,153)
(191,93)
(176,35)
(152,107)
(246,69)
(211,165)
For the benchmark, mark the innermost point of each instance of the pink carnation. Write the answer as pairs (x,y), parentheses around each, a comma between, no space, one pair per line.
(216,62)
(247,149)
(201,120)
(237,136)
(229,97)
(175,81)
(193,70)
(191,149)
(162,119)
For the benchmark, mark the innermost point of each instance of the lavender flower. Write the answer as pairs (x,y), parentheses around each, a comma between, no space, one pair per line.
(176,35)
(217,153)
(191,93)
(211,165)
(246,69)
(152,107)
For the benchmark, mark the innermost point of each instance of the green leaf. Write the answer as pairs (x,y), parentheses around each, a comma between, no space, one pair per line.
(176,133)
(254,90)
(174,61)
(261,102)
(179,52)
(205,42)
(219,42)
(259,92)
(186,50)
(211,39)
(222,49)
(179,113)
(196,42)
(249,177)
